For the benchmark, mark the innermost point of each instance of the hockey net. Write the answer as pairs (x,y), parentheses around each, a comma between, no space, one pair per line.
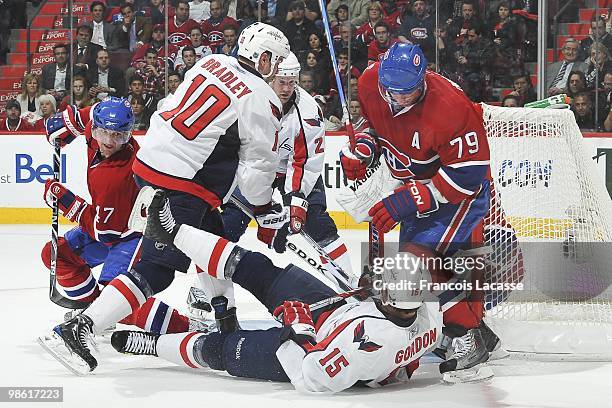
(550,229)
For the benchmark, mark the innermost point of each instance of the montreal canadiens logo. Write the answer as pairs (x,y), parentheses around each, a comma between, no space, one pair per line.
(416,60)
(398,162)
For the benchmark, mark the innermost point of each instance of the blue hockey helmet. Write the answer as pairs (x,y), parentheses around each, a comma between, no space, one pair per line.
(402,70)
(113,118)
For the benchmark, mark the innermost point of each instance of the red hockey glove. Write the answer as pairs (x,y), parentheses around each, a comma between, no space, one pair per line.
(297,319)
(70,205)
(413,198)
(297,212)
(272,220)
(355,164)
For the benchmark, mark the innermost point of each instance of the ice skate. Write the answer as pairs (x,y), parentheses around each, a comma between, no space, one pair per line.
(138,343)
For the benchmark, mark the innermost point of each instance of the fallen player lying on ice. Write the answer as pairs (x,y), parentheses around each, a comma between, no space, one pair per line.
(371,342)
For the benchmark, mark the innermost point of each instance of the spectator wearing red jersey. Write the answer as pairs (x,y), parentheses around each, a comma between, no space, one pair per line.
(157,42)
(343,67)
(179,26)
(459,26)
(382,41)
(365,32)
(341,15)
(13,121)
(212,28)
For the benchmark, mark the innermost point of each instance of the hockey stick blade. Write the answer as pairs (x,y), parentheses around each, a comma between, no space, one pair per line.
(138,215)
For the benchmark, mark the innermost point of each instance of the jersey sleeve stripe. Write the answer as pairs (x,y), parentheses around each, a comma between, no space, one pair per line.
(173,183)
(469,163)
(300,155)
(454,185)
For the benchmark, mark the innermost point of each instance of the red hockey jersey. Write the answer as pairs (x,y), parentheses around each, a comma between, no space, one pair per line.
(110,182)
(213,31)
(178,33)
(441,138)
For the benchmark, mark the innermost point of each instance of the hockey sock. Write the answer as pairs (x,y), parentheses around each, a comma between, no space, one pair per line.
(216,287)
(120,297)
(210,252)
(182,349)
(157,317)
(338,253)
(72,273)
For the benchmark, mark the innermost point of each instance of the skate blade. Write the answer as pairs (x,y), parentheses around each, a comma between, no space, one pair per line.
(498,354)
(56,347)
(468,375)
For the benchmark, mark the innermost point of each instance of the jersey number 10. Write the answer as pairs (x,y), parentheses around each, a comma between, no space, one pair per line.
(183,118)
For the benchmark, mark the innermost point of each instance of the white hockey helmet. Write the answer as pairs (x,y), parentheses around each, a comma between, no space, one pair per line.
(258,38)
(289,67)
(400,287)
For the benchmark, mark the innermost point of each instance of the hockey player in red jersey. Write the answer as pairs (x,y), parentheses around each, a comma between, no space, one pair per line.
(433,139)
(218,130)
(102,236)
(373,343)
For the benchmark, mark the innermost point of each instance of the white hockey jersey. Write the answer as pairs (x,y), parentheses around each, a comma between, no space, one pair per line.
(219,129)
(200,52)
(357,343)
(301,143)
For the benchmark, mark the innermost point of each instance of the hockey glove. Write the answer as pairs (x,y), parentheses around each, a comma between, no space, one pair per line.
(70,205)
(413,198)
(297,212)
(161,226)
(297,319)
(56,129)
(272,221)
(355,164)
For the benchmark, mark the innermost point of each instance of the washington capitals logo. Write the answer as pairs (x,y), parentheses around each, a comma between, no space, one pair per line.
(398,162)
(360,337)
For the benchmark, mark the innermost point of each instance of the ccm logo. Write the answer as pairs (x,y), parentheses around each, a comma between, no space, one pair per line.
(416,194)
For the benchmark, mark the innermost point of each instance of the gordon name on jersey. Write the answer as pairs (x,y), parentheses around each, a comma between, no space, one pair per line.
(442,137)
(222,123)
(357,343)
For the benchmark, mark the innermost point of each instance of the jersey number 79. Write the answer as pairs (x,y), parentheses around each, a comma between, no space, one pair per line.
(183,118)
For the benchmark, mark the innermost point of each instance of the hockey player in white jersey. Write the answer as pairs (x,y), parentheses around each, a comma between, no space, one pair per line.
(218,130)
(374,343)
(298,177)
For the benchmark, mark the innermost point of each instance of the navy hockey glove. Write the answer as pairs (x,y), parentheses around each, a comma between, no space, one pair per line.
(272,220)
(355,164)
(297,212)
(297,319)
(70,205)
(413,198)
(56,129)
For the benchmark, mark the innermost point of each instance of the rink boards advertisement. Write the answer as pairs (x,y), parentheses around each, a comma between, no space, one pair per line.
(26,162)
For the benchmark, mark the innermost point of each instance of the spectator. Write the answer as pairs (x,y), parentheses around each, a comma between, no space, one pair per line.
(597,65)
(157,10)
(47,109)
(359,10)
(307,82)
(84,52)
(605,104)
(359,51)
(153,76)
(105,79)
(357,119)
(174,80)
(103,32)
(56,76)
(230,43)
(576,83)
(137,89)
(510,101)
(458,27)
(523,89)
(557,73)
(341,15)
(283,11)
(322,102)
(13,121)
(318,46)
(141,117)
(188,55)
(598,31)
(157,42)
(583,111)
(135,30)
(473,59)
(419,29)
(508,56)
(199,10)
(344,68)
(320,73)
(353,87)
(395,13)
(382,41)
(365,32)
(29,99)
(195,41)
(213,27)
(80,94)
(297,28)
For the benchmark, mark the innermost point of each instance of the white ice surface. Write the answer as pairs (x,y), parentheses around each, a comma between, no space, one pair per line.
(128,381)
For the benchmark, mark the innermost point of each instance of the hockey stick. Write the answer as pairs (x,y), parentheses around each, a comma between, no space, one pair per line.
(54,295)
(330,301)
(337,274)
(376,238)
